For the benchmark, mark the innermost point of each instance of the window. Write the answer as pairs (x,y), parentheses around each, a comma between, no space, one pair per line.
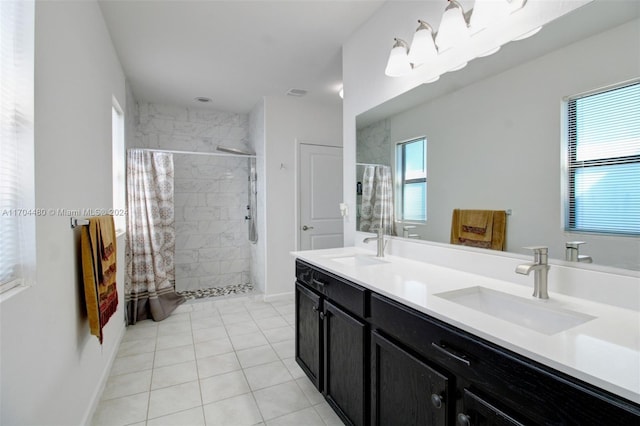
(118,164)
(604,161)
(411,180)
(17,196)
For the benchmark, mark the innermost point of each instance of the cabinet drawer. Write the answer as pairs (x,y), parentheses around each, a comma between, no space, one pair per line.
(344,293)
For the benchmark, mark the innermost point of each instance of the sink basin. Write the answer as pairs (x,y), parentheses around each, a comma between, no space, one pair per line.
(359,260)
(533,314)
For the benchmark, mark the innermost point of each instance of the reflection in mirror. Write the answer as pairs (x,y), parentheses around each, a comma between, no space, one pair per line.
(496,134)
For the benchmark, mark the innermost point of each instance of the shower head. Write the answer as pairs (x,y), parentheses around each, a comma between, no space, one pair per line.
(233,150)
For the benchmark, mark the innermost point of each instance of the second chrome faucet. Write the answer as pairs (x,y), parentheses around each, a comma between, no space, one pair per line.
(541,271)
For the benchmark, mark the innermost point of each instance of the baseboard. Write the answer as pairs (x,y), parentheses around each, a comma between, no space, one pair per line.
(278,297)
(97,394)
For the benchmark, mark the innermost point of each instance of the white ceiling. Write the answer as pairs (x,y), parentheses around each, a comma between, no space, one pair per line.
(233,51)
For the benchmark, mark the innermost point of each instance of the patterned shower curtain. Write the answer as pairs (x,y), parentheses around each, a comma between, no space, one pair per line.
(377,200)
(150,281)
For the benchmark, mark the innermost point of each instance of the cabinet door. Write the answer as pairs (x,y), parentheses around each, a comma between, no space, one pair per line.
(345,364)
(479,412)
(309,334)
(404,390)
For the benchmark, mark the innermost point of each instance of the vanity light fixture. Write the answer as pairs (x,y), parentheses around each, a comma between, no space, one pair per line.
(423,47)
(528,34)
(398,63)
(454,29)
(487,13)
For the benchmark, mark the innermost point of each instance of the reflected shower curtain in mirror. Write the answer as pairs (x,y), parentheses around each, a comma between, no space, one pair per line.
(150,281)
(377,200)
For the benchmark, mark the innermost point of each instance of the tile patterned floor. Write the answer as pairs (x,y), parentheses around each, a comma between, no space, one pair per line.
(223,362)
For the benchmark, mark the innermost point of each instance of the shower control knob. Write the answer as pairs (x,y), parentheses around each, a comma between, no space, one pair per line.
(306,228)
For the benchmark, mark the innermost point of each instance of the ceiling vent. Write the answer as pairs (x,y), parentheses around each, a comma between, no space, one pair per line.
(296,92)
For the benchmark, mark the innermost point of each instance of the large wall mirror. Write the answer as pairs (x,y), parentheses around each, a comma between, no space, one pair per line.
(493,133)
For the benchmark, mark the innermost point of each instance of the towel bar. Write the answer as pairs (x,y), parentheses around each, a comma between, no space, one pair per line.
(75,222)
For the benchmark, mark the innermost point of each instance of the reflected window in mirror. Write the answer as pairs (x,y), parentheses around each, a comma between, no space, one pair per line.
(411,181)
(603,144)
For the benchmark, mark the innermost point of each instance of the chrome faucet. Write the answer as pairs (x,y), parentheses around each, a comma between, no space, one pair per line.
(572,252)
(541,271)
(381,242)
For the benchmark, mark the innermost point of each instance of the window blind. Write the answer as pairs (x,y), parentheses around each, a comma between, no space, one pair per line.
(604,161)
(16,144)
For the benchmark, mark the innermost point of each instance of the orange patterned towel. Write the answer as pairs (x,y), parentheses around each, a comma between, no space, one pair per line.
(98,246)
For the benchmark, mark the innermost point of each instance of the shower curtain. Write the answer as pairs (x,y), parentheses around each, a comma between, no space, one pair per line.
(377,200)
(150,248)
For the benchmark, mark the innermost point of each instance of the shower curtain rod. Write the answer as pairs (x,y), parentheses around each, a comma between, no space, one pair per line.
(171,151)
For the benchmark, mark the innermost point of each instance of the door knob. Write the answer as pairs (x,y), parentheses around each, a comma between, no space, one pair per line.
(306,228)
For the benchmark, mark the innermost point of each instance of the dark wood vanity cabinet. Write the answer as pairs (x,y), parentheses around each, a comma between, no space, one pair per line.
(422,371)
(331,340)
(405,390)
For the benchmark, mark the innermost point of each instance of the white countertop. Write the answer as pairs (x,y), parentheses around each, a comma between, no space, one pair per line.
(604,351)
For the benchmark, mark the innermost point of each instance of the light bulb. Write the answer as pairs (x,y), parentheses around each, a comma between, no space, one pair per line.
(398,63)
(453,28)
(423,48)
(485,13)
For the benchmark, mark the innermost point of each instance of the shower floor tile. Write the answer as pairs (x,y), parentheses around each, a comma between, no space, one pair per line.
(219,373)
(204,293)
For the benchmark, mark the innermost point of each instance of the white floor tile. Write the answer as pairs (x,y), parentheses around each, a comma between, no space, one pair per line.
(213,347)
(121,411)
(310,391)
(285,349)
(174,375)
(132,363)
(293,367)
(263,312)
(217,364)
(278,400)
(174,340)
(174,356)
(191,417)
(136,347)
(262,376)
(238,410)
(232,318)
(272,322)
(223,386)
(250,340)
(174,328)
(204,334)
(280,334)
(127,384)
(134,332)
(306,417)
(256,356)
(239,328)
(173,399)
(328,415)
(206,322)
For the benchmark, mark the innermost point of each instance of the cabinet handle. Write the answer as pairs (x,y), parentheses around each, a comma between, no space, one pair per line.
(450,354)
(436,400)
(464,420)
(314,308)
(318,282)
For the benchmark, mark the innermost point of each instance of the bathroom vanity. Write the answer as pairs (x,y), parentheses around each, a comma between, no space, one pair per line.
(398,342)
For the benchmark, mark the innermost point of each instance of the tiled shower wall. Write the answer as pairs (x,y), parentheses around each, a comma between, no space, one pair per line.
(212,246)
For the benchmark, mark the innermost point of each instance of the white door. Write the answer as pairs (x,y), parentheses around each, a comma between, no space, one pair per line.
(320,195)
